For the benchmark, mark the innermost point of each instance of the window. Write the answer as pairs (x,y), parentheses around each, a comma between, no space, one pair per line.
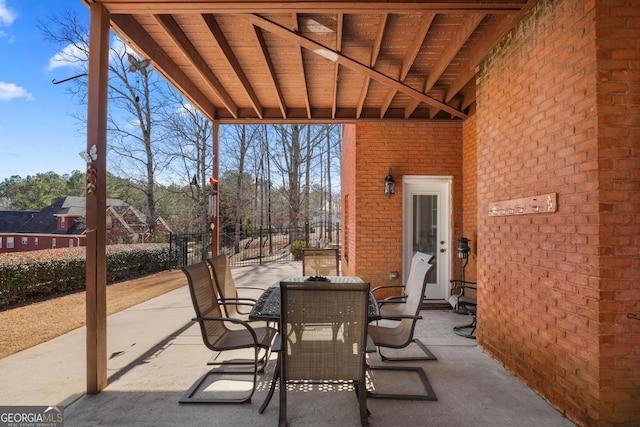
(35,241)
(0,242)
(53,243)
(9,242)
(109,221)
(62,222)
(70,243)
(25,241)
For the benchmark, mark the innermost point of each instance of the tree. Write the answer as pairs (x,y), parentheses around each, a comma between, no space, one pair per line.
(190,136)
(39,191)
(136,96)
(237,141)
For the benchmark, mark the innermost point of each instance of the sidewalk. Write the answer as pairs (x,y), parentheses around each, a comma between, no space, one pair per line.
(155,353)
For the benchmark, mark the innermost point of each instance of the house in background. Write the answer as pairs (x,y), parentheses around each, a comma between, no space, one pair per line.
(62,225)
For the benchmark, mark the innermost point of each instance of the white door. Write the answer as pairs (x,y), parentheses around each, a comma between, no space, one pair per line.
(426,222)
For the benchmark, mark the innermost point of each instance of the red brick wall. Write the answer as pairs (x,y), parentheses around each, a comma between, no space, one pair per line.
(618,87)
(369,150)
(348,184)
(558,111)
(469,194)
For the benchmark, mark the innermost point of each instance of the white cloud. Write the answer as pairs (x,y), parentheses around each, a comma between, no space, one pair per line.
(70,56)
(6,16)
(9,91)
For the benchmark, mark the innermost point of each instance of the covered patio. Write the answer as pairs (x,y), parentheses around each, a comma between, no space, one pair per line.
(156,352)
(507,100)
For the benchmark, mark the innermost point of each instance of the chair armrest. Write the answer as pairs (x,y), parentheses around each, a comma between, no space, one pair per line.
(244,301)
(400,317)
(255,288)
(377,288)
(236,302)
(462,285)
(231,320)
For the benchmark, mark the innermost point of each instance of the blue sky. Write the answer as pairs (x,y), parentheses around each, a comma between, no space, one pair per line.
(37,133)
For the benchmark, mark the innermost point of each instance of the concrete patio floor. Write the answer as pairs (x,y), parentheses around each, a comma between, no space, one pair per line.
(156,353)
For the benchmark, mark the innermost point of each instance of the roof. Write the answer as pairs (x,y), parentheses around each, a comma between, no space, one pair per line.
(11,220)
(245,61)
(45,220)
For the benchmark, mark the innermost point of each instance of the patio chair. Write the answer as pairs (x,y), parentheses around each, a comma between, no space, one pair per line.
(320,262)
(228,291)
(309,351)
(218,337)
(407,304)
(394,305)
(463,300)
(400,333)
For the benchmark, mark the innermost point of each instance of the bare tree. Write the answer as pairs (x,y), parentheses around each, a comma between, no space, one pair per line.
(237,141)
(136,96)
(190,135)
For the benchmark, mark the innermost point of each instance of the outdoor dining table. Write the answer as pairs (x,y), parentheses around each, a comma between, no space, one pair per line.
(267,308)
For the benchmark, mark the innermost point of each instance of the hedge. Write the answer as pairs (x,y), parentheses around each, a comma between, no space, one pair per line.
(28,275)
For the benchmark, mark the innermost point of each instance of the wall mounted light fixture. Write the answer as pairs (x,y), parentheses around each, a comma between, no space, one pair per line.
(389,185)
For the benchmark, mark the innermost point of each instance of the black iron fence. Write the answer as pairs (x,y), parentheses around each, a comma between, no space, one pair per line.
(249,247)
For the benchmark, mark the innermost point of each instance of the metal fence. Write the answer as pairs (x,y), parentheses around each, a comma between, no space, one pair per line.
(250,247)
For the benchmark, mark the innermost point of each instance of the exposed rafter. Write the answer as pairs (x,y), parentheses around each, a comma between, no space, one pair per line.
(319,61)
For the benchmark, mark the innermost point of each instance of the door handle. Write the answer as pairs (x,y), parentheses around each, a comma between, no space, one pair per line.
(443,250)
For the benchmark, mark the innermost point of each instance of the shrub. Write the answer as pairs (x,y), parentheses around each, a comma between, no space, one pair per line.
(27,275)
(296,249)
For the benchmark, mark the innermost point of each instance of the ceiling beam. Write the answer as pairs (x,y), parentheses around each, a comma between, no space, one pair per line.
(233,62)
(339,30)
(148,48)
(451,50)
(410,57)
(174,31)
(480,49)
(375,51)
(145,7)
(300,60)
(271,70)
(332,55)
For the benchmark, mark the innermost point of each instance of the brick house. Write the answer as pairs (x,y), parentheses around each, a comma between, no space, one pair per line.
(550,108)
(557,111)
(62,225)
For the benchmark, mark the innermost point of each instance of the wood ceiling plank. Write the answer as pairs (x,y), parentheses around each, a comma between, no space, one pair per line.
(232,61)
(484,45)
(146,46)
(348,62)
(175,32)
(452,48)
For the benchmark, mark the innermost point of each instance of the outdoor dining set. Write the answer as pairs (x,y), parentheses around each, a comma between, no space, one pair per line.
(320,329)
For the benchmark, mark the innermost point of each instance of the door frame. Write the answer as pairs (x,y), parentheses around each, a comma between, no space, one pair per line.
(429,185)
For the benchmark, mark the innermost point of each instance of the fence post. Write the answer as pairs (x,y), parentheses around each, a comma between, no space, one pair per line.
(260,244)
(306,233)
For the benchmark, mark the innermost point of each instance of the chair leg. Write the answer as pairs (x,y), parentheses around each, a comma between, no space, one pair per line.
(427,352)
(361,392)
(282,419)
(431,395)
(188,396)
(458,329)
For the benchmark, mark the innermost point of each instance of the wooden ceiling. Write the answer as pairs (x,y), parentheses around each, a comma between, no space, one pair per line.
(318,61)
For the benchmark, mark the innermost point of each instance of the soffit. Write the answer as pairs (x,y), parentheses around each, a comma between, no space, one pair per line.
(318,61)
